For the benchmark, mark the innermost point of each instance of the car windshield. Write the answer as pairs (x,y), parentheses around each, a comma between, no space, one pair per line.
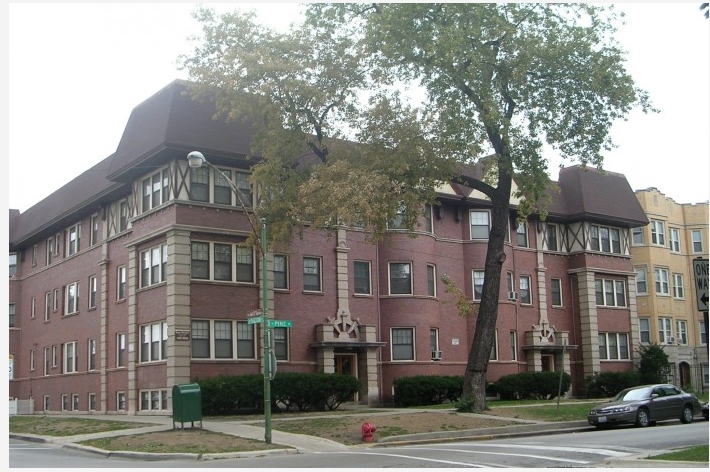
(634,394)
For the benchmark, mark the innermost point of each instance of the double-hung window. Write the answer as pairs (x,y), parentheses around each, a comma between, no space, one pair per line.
(200,184)
(525,292)
(74,239)
(556,292)
(312,274)
(645,330)
(661,281)
(697,237)
(402,344)
(70,357)
(431,280)
(658,233)
(280,271)
(605,239)
(665,331)
(362,278)
(400,277)
(72,298)
(613,346)
(641,283)
(156,189)
(154,262)
(222,339)
(154,342)
(121,283)
(92,291)
(552,237)
(678,288)
(674,239)
(480,224)
(637,236)
(610,292)
(478,277)
(522,232)
(681,327)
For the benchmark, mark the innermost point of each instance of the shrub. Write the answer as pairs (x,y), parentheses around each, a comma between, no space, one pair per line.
(608,384)
(653,365)
(537,385)
(422,390)
(234,394)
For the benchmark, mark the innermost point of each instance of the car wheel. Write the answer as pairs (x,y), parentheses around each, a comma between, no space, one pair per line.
(642,418)
(687,416)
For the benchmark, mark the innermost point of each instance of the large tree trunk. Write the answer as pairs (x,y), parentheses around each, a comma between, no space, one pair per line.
(484,335)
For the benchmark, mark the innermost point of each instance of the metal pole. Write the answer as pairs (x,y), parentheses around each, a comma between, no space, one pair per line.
(267,343)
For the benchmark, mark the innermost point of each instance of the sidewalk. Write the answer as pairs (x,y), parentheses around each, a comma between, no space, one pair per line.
(299,443)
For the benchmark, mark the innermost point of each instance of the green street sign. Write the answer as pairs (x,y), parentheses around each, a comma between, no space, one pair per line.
(280,324)
(255,319)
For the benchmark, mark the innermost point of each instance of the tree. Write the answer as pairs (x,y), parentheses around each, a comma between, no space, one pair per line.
(705,8)
(653,364)
(515,77)
(501,80)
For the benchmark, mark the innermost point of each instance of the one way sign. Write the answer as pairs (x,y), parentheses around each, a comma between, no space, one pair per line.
(700,270)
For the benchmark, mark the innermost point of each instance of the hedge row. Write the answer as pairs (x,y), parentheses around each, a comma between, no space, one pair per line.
(608,384)
(422,390)
(234,394)
(536,385)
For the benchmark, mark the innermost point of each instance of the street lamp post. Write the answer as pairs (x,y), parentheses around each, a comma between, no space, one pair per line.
(196,159)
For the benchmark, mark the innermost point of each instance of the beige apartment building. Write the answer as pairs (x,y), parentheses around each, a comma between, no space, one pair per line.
(662,254)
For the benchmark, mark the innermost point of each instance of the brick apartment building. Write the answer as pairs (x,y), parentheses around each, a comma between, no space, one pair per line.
(131,279)
(662,255)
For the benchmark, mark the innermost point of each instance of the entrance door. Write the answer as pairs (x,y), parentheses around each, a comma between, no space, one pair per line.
(345,364)
(548,362)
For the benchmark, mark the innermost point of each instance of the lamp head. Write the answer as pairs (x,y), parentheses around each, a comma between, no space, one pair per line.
(196,159)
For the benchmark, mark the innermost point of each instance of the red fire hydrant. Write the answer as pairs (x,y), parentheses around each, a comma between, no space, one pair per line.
(368,429)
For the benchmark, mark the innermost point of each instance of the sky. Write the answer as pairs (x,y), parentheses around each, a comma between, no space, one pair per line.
(76,71)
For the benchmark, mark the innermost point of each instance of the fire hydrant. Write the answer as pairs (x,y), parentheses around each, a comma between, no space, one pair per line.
(368,429)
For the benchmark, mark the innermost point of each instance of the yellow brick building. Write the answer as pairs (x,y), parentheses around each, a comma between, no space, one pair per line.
(662,254)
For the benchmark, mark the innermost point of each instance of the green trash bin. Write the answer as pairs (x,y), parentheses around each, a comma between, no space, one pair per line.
(187,404)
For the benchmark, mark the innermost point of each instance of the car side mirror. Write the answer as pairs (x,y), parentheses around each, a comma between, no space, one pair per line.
(654,395)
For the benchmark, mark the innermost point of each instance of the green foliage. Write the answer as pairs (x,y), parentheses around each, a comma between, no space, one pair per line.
(654,366)
(422,390)
(608,384)
(234,394)
(538,385)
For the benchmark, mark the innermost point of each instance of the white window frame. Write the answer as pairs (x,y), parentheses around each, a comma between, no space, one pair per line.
(597,242)
(431,280)
(47,305)
(55,355)
(681,332)
(282,343)
(522,234)
(94,230)
(478,278)
(120,401)
(70,357)
(528,281)
(148,333)
(637,232)
(75,402)
(607,293)
(658,233)
(476,216)
(121,360)
(513,345)
(703,333)
(610,348)
(434,344)
(697,241)
(556,281)
(678,286)
(91,402)
(33,307)
(45,403)
(47,361)
(641,278)
(674,240)
(121,283)
(92,291)
(661,281)
(552,230)
(32,359)
(153,265)
(429,218)
(155,190)
(154,400)
(238,329)
(309,270)
(408,272)
(91,355)
(281,263)
(65,401)
(71,294)
(665,330)
(494,348)
(366,265)
(645,327)
(73,239)
(412,336)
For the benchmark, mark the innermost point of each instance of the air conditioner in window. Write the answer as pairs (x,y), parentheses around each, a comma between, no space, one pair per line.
(435,355)
(513,296)
(670,340)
